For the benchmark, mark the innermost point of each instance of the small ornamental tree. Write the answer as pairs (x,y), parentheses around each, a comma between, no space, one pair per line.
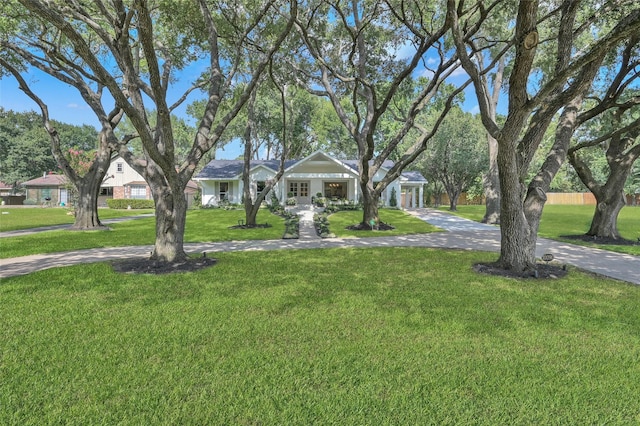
(393,199)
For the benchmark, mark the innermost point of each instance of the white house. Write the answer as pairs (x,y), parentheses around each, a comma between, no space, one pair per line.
(317,173)
(122,181)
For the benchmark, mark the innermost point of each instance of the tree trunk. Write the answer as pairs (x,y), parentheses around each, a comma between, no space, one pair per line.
(605,218)
(171,214)
(492,179)
(369,206)
(518,244)
(453,201)
(86,206)
(492,186)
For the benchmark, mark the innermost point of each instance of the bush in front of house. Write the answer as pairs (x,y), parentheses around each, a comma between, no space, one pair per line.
(126,203)
(393,200)
(291,201)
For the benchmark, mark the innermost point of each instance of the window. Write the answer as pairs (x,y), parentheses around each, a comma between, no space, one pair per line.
(335,189)
(139,192)
(119,167)
(299,189)
(106,191)
(260,185)
(224,191)
(293,189)
(304,189)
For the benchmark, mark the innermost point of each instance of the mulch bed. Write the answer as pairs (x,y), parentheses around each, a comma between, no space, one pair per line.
(544,271)
(363,227)
(602,240)
(147,266)
(259,225)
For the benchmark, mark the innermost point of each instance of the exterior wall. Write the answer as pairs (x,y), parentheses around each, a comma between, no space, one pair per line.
(39,193)
(115,178)
(316,171)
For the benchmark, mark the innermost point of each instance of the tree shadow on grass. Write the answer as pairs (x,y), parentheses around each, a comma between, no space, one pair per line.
(147,266)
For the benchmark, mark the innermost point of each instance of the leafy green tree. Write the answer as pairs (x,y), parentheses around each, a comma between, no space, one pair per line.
(457,155)
(25,146)
(573,39)
(610,126)
(133,50)
(362,56)
(25,149)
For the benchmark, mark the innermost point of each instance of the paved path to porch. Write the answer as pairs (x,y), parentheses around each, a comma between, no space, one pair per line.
(461,234)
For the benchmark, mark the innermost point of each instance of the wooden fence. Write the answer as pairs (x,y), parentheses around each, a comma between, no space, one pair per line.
(573,198)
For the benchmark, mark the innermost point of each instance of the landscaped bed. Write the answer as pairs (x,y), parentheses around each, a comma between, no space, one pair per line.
(342,336)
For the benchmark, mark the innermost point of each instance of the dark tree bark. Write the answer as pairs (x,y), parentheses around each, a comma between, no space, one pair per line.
(492,178)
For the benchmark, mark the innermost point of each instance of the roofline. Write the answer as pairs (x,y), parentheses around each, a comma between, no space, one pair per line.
(335,160)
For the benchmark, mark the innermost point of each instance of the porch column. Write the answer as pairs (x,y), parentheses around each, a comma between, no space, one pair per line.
(413,197)
(421,195)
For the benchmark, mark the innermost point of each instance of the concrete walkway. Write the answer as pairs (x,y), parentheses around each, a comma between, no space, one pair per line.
(461,234)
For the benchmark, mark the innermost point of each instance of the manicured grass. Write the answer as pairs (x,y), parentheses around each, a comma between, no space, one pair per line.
(343,336)
(202,226)
(558,220)
(24,218)
(403,222)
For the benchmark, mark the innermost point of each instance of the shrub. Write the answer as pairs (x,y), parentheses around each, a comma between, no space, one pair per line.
(291,201)
(393,200)
(129,203)
(291,226)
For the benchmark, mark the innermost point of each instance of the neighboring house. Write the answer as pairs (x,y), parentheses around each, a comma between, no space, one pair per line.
(123,182)
(8,197)
(120,182)
(5,189)
(317,173)
(51,187)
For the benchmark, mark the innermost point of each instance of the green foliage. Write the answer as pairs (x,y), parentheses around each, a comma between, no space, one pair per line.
(25,147)
(321,223)
(393,200)
(291,201)
(345,336)
(291,226)
(129,203)
(458,155)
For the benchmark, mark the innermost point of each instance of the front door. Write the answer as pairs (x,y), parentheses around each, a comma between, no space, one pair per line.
(300,190)
(64,197)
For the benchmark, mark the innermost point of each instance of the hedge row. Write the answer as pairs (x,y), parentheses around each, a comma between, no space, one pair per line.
(129,204)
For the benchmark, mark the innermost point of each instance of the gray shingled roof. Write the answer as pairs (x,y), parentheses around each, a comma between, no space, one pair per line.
(230,169)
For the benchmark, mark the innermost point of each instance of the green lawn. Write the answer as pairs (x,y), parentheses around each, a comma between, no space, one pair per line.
(202,226)
(558,220)
(404,223)
(343,336)
(24,218)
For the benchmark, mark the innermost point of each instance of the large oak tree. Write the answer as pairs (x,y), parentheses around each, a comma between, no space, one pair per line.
(579,34)
(134,49)
(363,56)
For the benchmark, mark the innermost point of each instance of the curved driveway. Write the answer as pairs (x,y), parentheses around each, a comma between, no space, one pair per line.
(460,234)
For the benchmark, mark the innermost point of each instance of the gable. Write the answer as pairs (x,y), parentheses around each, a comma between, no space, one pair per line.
(320,163)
